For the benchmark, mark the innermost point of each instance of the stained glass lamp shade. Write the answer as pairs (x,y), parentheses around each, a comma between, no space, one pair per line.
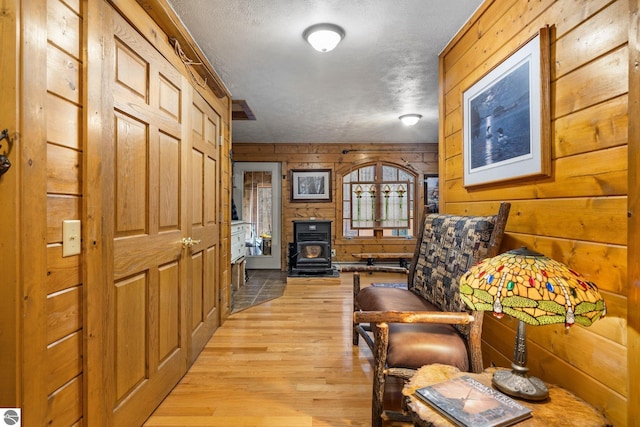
(535,290)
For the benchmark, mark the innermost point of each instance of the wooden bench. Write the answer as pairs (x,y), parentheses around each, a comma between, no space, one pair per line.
(404,258)
(427,322)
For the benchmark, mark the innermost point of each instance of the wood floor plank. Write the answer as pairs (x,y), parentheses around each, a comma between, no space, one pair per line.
(288,362)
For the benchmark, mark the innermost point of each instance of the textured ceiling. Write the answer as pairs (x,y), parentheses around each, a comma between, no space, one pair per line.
(386,66)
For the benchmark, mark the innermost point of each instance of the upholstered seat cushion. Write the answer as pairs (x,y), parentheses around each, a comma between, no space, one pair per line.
(412,345)
(380,298)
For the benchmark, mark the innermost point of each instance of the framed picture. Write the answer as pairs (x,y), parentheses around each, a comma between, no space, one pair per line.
(506,118)
(311,185)
(431,193)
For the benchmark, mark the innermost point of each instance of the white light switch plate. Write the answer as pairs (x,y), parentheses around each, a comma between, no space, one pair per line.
(71,238)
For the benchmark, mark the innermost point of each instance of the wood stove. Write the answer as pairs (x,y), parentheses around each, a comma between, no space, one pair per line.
(310,252)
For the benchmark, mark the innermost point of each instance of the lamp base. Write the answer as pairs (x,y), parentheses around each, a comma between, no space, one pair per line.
(518,384)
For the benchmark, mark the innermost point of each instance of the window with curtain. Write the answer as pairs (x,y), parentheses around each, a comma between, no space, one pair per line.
(378,200)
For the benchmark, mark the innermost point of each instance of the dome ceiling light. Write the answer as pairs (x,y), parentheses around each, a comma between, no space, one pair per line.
(323,37)
(410,119)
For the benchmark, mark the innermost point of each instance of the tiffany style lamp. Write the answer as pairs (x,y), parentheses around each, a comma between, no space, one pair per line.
(535,290)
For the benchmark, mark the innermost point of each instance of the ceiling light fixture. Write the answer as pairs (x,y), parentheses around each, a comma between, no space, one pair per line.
(410,119)
(323,37)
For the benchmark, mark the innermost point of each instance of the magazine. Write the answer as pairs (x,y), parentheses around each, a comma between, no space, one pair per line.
(469,403)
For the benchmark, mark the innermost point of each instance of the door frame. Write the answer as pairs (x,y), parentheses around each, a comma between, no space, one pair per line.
(272,261)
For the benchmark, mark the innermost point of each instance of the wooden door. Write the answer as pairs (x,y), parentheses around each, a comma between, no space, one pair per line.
(204,292)
(145,216)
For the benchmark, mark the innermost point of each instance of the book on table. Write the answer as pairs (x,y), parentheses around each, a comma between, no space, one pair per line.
(469,403)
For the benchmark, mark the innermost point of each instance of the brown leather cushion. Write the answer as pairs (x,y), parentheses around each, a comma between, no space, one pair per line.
(412,345)
(378,298)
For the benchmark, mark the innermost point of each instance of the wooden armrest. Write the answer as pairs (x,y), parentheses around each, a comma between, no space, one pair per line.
(452,318)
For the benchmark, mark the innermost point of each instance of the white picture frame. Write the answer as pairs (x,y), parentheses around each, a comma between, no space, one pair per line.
(506,118)
(311,185)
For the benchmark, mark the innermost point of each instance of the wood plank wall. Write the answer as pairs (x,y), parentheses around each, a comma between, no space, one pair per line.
(9,214)
(422,158)
(578,215)
(64,290)
(633,255)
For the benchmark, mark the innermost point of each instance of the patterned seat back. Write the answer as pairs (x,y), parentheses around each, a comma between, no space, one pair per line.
(449,246)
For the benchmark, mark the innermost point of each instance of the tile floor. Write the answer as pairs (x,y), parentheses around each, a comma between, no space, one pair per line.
(261,286)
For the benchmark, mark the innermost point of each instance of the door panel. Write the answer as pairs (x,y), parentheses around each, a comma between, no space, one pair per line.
(204,217)
(131,332)
(131,179)
(169,314)
(148,348)
(169,183)
(196,290)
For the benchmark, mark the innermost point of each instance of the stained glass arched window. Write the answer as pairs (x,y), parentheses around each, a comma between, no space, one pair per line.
(378,201)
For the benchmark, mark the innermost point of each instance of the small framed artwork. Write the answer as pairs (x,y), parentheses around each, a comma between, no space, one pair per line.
(506,118)
(431,193)
(311,185)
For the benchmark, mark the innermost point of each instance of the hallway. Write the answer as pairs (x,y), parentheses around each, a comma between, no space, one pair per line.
(287,362)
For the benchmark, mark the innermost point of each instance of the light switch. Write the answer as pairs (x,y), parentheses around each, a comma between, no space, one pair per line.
(71,238)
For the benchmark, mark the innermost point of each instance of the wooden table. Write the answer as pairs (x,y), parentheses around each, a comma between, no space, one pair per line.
(562,407)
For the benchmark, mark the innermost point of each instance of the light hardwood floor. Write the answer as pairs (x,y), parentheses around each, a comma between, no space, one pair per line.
(286,363)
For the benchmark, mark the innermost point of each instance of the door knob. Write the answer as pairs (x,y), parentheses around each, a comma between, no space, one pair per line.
(188,242)
(5,164)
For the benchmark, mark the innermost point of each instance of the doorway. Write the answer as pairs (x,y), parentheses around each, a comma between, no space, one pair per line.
(257,196)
